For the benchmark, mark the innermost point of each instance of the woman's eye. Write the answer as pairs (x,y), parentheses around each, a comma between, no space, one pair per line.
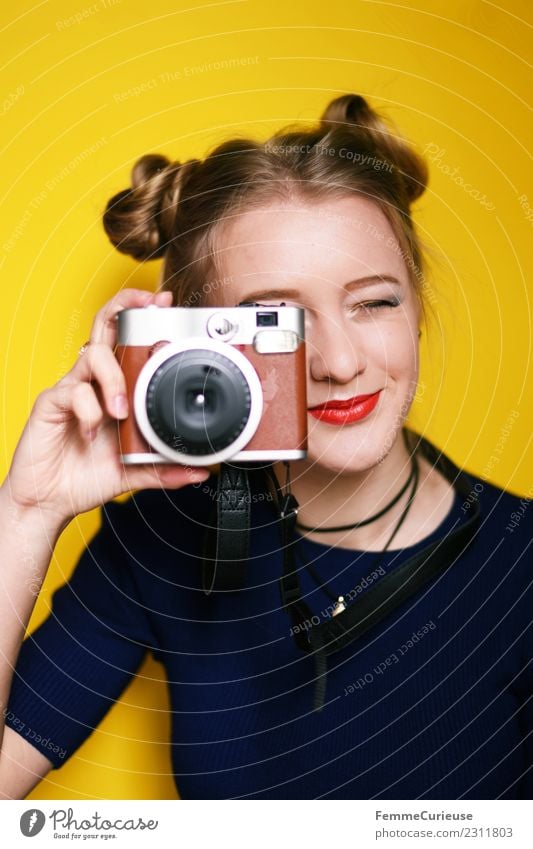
(369,306)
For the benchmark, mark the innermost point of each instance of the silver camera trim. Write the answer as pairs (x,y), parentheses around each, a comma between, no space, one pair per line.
(165,353)
(148,325)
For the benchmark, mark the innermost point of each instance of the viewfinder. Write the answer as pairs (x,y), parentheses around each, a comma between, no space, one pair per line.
(267,319)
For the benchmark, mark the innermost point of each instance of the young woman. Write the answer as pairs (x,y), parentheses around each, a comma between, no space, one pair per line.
(427,693)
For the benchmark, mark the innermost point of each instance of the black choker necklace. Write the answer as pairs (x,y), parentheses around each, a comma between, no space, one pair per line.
(414,471)
(339,601)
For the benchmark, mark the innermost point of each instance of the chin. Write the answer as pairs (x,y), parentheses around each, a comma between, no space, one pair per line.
(351,449)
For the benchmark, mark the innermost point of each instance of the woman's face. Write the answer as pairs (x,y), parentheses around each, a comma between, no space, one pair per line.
(340,260)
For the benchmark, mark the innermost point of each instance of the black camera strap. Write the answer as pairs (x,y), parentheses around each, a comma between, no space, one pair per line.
(226,547)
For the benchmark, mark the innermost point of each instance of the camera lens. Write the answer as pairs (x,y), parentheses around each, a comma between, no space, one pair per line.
(198,402)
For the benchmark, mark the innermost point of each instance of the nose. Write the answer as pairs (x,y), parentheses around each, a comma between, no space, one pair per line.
(334,351)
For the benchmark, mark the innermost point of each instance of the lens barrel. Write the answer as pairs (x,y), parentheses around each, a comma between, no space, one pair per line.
(198,402)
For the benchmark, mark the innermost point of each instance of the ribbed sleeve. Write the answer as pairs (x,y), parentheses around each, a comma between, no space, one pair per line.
(78,662)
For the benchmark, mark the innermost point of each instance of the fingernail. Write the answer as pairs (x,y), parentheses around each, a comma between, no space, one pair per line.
(200,475)
(120,406)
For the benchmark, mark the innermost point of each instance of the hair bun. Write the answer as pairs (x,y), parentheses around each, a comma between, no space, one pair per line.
(347,109)
(370,131)
(147,167)
(139,221)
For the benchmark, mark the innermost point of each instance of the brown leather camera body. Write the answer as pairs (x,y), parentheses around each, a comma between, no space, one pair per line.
(283,425)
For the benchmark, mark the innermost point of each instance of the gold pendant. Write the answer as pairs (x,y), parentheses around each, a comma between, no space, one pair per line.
(339,606)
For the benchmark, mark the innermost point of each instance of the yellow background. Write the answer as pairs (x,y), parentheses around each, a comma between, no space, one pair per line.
(88,88)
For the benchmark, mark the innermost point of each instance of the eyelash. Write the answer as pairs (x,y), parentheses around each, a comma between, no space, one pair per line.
(368,306)
(375,305)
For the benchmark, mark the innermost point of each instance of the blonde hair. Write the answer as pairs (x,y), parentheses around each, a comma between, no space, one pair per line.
(176,210)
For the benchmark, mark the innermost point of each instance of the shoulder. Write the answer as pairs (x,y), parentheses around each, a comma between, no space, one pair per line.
(499,503)
(504,514)
(513,514)
(506,528)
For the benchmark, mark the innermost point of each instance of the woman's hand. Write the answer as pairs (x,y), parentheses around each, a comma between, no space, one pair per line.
(67,460)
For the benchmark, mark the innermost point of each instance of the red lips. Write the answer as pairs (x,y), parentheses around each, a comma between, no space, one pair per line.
(345,412)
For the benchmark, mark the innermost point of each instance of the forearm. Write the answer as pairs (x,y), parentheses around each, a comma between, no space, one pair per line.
(28,537)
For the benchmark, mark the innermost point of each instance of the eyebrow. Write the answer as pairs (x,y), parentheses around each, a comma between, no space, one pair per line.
(293,293)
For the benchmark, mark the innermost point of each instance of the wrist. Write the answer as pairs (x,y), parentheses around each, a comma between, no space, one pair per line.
(30,515)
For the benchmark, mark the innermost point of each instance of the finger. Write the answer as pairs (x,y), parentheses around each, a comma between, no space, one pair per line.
(86,408)
(104,329)
(162,476)
(100,365)
(68,400)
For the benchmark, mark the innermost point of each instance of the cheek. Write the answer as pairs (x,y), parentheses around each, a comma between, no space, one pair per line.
(395,351)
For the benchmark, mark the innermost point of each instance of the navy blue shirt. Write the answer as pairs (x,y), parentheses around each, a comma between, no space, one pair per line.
(434,702)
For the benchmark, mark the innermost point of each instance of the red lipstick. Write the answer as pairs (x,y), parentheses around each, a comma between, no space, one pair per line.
(345,412)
